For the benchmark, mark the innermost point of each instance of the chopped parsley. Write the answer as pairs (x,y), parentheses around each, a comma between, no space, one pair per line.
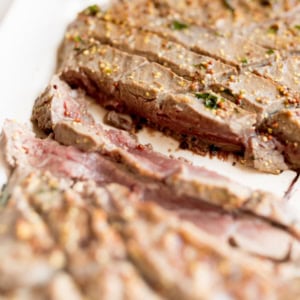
(218,34)
(177,25)
(201,66)
(210,101)
(244,61)
(93,10)
(297,27)
(77,39)
(270,51)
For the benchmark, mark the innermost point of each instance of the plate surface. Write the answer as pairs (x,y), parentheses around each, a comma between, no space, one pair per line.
(30,34)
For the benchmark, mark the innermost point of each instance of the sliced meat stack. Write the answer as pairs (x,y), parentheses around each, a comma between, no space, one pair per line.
(93,213)
(208,90)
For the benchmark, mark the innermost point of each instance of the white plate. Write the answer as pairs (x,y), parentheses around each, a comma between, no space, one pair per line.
(30,35)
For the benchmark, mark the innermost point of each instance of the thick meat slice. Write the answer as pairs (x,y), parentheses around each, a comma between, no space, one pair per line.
(32,263)
(254,93)
(265,153)
(285,125)
(285,71)
(143,93)
(85,245)
(197,38)
(100,228)
(180,29)
(154,47)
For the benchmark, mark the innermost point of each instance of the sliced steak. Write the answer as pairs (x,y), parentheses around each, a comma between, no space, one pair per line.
(197,38)
(142,93)
(155,48)
(179,176)
(73,165)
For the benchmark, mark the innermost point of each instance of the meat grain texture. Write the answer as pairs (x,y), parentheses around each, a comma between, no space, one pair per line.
(90,213)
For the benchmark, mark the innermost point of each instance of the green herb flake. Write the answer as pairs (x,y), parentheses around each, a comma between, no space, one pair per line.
(93,10)
(244,61)
(77,39)
(297,27)
(210,101)
(176,25)
(201,66)
(270,51)
(219,34)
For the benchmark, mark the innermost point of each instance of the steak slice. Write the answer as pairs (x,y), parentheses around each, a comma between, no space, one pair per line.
(73,165)
(102,233)
(203,118)
(186,63)
(142,93)
(200,39)
(184,179)
(155,48)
